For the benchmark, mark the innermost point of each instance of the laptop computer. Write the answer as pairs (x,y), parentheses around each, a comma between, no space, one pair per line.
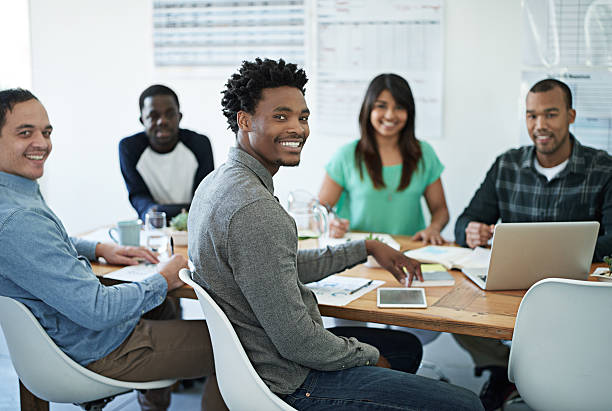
(524,253)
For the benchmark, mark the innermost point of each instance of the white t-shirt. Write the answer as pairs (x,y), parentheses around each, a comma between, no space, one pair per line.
(550,172)
(169,176)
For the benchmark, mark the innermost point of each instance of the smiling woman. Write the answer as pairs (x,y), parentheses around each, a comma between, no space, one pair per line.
(376,182)
(25,134)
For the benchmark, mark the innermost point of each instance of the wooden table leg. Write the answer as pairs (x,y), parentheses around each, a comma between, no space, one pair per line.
(29,401)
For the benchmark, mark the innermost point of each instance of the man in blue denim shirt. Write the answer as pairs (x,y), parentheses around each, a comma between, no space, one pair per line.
(98,326)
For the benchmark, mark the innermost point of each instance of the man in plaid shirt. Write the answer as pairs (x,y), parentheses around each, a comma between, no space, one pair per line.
(555,179)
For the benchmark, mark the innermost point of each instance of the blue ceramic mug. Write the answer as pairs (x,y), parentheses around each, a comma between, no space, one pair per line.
(126,232)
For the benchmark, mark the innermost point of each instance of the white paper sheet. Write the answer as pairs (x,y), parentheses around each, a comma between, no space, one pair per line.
(133,273)
(335,289)
(357,40)
(385,238)
(567,32)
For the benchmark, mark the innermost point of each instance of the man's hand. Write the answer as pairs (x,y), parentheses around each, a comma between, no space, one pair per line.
(169,269)
(404,269)
(124,255)
(338,227)
(477,233)
(383,362)
(429,236)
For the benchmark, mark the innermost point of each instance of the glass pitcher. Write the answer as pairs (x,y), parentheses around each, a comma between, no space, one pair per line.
(310,216)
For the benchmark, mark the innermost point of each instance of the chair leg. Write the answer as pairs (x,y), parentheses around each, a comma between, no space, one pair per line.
(96,405)
(29,401)
(435,369)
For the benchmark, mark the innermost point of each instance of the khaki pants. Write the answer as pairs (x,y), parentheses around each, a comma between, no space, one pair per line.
(484,351)
(162,347)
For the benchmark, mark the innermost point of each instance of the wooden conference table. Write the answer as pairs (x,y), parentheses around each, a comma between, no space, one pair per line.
(463,308)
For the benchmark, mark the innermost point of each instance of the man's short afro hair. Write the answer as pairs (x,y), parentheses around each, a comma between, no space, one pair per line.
(243,89)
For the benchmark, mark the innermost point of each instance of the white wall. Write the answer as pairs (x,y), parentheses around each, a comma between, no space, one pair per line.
(15,69)
(92,59)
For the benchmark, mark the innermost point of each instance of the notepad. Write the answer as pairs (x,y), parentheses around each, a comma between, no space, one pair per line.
(336,289)
(350,236)
(434,275)
(133,273)
(603,273)
(452,257)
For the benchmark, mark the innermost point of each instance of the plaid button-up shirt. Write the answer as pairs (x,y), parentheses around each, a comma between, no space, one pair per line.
(515,192)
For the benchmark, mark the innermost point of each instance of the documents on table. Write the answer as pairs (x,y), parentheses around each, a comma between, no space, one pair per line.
(603,273)
(371,261)
(133,273)
(339,290)
(385,238)
(452,257)
(435,275)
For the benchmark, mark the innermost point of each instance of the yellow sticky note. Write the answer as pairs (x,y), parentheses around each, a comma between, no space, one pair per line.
(432,267)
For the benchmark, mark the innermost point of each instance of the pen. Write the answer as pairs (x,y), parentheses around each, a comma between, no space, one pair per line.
(361,287)
(407,275)
(171,245)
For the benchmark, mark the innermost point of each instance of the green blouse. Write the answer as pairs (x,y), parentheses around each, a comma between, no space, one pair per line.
(383,210)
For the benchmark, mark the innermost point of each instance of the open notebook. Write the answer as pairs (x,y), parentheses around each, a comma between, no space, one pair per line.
(452,257)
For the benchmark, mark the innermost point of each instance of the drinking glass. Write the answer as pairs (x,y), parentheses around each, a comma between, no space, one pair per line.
(155,232)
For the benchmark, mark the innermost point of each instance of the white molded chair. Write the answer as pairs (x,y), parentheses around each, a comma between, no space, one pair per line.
(240,385)
(46,371)
(561,357)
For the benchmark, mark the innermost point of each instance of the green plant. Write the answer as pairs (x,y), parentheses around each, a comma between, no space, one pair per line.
(608,261)
(371,236)
(179,222)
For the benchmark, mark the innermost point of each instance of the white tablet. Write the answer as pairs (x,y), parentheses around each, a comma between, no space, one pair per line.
(401,298)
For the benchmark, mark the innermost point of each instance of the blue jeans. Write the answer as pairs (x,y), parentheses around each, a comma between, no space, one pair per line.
(402,349)
(375,388)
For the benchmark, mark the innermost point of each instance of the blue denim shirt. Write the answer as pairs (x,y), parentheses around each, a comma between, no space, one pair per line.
(49,272)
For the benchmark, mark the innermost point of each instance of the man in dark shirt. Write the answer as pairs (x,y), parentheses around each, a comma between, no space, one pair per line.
(163,165)
(555,179)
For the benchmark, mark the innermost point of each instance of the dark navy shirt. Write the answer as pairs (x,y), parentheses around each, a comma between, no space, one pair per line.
(130,150)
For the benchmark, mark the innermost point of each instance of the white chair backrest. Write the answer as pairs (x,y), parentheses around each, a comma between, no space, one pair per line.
(561,357)
(46,370)
(240,385)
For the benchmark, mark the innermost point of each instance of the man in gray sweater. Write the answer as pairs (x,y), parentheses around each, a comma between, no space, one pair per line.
(245,249)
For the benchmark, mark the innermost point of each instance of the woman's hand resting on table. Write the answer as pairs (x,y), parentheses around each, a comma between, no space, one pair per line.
(429,235)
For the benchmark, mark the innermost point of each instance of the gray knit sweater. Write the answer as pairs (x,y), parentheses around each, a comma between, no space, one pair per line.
(244,247)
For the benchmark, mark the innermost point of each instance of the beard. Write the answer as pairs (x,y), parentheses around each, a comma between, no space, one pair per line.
(285,163)
(552,148)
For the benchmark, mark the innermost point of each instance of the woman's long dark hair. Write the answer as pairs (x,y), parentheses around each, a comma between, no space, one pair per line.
(367,148)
